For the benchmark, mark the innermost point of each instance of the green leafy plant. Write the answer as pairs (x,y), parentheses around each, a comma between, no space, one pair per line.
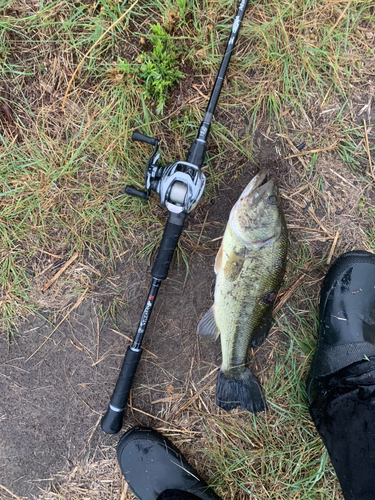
(158,68)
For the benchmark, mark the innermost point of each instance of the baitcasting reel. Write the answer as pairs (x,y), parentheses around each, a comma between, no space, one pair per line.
(179,185)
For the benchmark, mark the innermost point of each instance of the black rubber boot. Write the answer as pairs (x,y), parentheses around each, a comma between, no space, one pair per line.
(177,495)
(151,465)
(347,317)
(341,382)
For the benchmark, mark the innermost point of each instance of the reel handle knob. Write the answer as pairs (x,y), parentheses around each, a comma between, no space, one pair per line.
(136,192)
(137,136)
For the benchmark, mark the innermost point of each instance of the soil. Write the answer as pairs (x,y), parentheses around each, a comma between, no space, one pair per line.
(52,403)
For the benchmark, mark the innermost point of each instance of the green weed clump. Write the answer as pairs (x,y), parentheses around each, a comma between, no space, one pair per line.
(158,68)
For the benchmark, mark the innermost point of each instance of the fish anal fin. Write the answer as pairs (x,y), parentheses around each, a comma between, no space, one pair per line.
(261,331)
(207,328)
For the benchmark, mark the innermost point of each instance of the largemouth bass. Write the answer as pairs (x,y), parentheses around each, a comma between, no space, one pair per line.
(249,269)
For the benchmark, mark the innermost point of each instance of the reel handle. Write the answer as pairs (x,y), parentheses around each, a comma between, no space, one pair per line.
(136,192)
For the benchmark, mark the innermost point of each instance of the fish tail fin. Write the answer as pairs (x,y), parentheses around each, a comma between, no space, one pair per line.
(239,387)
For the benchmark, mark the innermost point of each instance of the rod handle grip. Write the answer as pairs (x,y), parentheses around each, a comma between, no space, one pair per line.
(171,235)
(111,422)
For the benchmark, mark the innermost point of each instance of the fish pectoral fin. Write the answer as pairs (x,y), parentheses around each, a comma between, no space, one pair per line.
(207,327)
(219,258)
(233,265)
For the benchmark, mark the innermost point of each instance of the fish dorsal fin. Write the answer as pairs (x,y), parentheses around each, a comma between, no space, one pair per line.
(207,328)
(233,265)
(219,259)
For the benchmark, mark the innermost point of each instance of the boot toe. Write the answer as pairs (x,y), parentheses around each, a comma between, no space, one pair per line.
(347,317)
(347,300)
(151,464)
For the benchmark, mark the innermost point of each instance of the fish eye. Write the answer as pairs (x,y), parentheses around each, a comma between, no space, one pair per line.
(272,199)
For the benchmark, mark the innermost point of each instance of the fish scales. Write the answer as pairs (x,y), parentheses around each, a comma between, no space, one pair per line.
(250,266)
(240,304)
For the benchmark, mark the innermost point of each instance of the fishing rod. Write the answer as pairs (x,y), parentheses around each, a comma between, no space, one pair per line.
(179,186)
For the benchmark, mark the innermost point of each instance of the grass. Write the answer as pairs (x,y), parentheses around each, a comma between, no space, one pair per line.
(301,71)
(159,69)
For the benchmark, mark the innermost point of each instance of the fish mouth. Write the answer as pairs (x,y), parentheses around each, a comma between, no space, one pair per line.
(258,192)
(256,182)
